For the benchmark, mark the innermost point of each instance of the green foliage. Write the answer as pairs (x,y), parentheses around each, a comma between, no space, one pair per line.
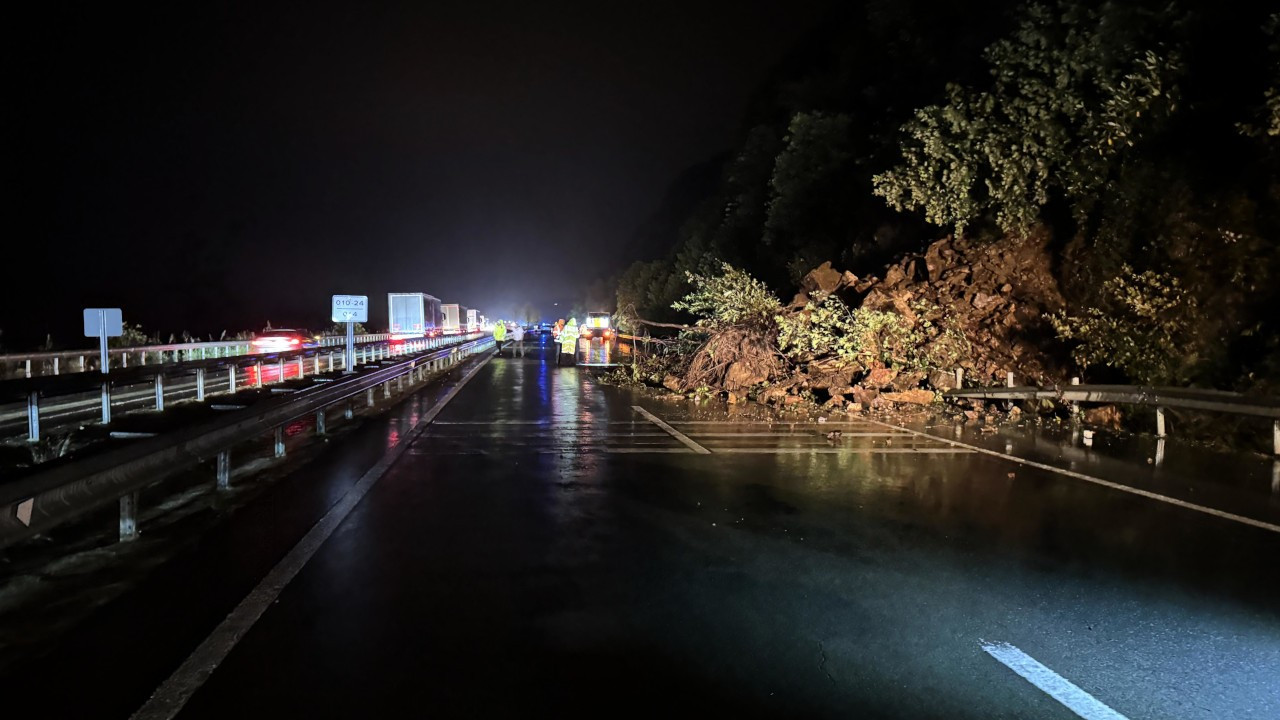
(1145,328)
(730,298)
(340,328)
(1072,91)
(807,211)
(868,338)
(132,335)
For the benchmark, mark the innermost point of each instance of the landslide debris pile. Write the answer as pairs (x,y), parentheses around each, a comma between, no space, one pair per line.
(855,343)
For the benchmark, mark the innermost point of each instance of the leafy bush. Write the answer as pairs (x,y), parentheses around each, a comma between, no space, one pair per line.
(1145,328)
(732,298)
(868,338)
(131,335)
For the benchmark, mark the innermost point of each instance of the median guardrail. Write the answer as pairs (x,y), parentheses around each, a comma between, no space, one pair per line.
(1220,401)
(237,367)
(62,362)
(47,499)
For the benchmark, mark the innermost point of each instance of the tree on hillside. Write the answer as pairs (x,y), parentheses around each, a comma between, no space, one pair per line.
(1072,92)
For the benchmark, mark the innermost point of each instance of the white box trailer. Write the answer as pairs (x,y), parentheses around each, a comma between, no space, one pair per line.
(412,315)
(454,316)
(473,320)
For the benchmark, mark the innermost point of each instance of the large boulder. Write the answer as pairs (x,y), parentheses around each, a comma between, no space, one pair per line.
(880,377)
(822,279)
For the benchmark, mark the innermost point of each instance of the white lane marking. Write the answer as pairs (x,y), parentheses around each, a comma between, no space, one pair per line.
(1057,687)
(1097,481)
(835,450)
(168,700)
(672,431)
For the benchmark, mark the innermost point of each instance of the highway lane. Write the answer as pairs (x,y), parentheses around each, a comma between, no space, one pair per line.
(552,545)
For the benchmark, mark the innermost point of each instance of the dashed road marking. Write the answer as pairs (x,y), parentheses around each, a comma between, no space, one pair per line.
(672,431)
(1054,685)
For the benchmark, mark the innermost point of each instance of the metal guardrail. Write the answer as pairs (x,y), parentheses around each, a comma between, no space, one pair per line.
(42,501)
(34,390)
(61,362)
(1158,397)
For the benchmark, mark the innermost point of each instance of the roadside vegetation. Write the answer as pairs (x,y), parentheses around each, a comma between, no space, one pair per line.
(1077,189)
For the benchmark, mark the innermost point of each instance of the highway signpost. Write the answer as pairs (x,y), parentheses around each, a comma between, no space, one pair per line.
(350,309)
(103,323)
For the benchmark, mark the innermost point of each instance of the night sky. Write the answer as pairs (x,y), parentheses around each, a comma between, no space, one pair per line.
(210,166)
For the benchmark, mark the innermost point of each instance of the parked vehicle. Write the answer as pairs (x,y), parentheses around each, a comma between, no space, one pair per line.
(413,315)
(454,316)
(596,327)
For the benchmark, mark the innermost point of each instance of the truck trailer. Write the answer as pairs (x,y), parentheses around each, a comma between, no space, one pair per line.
(454,316)
(413,315)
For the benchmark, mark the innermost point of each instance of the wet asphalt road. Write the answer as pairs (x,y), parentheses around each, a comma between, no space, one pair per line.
(544,547)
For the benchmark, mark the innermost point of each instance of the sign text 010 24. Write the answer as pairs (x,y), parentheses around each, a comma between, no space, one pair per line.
(350,308)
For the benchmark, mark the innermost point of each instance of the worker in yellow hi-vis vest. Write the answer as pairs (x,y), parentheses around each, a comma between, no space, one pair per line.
(499,334)
(568,344)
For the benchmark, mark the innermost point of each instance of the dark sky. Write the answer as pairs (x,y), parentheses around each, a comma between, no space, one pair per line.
(221,165)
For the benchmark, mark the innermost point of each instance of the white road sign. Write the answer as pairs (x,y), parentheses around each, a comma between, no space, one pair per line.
(350,308)
(102,321)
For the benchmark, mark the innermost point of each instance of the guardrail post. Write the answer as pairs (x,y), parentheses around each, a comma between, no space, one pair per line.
(257,372)
(160,391)
(28,364)
(106,402)
(55,366)
(1160,422)
(279,438)
(82,367)
(320,429)
(199,384)
(33,416)
(231,379)
(302,371)
(1275,437)
(124,360)
(280,370)
(129,517)
(959,373)
(142,357)
(330,362)
(348,412)
(223,472)
(1159,452)
(1009,379)
(315,366)
(369,397)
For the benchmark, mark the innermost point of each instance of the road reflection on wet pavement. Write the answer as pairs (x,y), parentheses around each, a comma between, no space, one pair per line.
(550,544)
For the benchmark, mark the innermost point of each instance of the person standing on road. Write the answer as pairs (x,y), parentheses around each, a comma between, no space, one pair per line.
(569,343)
(499,334)
(517,337)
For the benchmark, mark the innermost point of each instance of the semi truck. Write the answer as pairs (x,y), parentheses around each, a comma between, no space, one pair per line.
(413,315)
(454,317)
